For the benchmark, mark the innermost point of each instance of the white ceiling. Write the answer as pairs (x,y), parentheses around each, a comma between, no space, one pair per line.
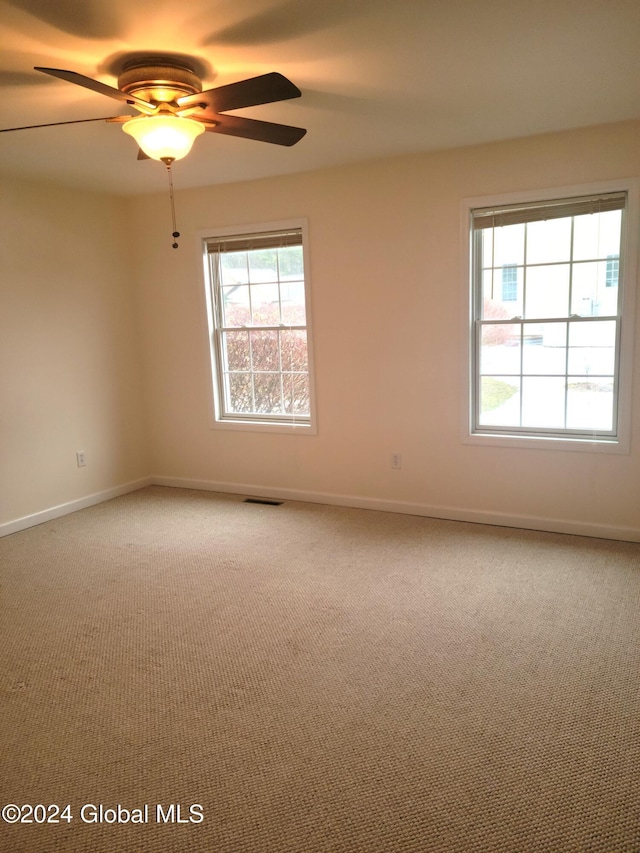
(378,77)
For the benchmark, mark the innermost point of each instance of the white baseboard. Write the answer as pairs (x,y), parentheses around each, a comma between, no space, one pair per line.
(72,506)
(526,522)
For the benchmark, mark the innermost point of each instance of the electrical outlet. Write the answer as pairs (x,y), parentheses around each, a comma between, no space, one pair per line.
(396,460)
(81,458)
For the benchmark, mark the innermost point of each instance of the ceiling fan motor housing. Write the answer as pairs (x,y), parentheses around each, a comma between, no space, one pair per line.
(159,80)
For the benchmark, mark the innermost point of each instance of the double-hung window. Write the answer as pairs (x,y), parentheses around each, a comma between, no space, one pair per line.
(548,329)
(258,323)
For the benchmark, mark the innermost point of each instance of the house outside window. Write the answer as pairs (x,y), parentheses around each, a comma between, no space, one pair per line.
(613,271)
(509,283)
(258,309)
(546,331)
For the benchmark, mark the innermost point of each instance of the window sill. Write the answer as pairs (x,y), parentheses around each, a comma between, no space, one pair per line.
(300,428)
(583,445)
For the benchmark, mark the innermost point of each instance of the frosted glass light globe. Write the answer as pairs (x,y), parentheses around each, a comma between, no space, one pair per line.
(164,136)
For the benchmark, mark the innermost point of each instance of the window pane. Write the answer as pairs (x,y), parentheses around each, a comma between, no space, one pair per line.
(543,400)
(236,349)
(500,349)
(233,268)
(292,302)
(504,245)
(592,348)
(296,393)
(263,265)
(290,263)
(487,237)
(549,241)
(590,404)
(595,289)
(545,349)
(265,354)
(235,305)
(499,401)
(265,305)
(588,280)
(547,291)
(492,307)
(268,395)
(239,397)
(502,292)
(509,245)
(597,235)
(294,354)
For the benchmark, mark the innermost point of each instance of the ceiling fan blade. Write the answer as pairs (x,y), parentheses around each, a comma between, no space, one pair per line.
(101,88)
(264,89)
(57,123)
(261,131)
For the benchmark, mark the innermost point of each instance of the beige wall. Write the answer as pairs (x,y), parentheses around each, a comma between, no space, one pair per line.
(69,360)
(387,304)
(91,288)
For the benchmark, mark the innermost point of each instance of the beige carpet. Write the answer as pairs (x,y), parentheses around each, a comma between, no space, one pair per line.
(317,679)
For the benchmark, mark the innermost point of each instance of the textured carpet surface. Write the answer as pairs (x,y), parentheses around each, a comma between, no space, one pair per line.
(317,679)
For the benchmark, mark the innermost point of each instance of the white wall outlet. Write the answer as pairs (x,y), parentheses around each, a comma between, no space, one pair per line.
(396,460)
(81,458)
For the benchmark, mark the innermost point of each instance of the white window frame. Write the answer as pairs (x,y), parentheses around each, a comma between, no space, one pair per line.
(219,419)
(594,442)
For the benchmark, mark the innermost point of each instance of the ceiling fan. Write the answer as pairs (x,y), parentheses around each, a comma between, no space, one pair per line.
(167,92)
(175,110)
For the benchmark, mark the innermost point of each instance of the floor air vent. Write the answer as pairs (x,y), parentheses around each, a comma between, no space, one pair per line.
(264,501)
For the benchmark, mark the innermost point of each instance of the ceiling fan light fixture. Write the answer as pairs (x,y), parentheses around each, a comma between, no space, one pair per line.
(164,137)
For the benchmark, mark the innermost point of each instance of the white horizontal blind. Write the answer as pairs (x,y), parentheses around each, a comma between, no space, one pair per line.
(253,242)
(516,214)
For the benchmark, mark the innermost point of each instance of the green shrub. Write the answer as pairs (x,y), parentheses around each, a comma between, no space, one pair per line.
(495,392)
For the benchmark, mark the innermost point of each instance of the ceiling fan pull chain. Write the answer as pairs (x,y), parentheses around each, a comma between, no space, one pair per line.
(168,161)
